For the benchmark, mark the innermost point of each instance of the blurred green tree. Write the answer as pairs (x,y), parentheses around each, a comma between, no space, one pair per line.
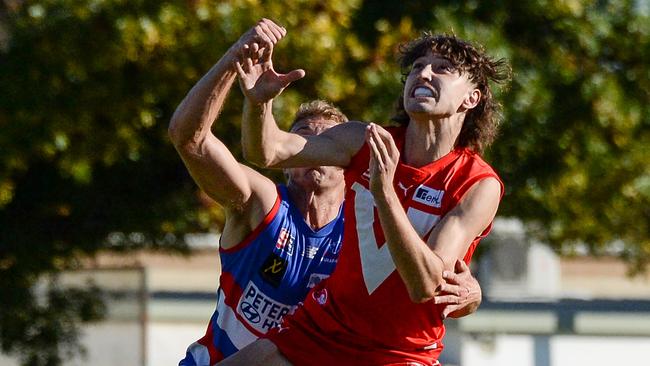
(575,145)
(88,87)
(575,141)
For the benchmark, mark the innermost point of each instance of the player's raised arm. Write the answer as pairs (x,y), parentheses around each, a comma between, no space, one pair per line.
(208,160)
(265,144)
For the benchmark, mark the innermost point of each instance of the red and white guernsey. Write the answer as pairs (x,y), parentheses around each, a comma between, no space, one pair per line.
(362,315)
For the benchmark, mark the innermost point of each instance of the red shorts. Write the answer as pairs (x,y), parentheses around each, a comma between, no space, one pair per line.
(302,343)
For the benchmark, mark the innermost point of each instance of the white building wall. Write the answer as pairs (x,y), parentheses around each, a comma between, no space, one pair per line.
(519,350)
(167,342)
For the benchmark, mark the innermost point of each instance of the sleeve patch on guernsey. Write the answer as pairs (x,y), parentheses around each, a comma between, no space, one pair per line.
(259,310)
(273,269)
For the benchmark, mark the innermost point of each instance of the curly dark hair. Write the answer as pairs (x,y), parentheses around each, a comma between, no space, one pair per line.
(481,123)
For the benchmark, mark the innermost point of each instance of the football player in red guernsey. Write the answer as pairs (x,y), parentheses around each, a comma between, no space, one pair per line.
(419,198)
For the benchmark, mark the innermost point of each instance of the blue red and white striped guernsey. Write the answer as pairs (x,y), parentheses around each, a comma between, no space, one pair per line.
(265,277)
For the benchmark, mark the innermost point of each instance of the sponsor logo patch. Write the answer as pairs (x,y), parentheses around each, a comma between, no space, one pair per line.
(310,251)
(320,296)
(260,311)
(428,196)
(285,241)
(273,269)
(403,187)
(366,175)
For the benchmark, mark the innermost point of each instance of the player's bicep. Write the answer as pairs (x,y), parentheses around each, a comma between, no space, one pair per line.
(452,237)
(243,218)
(221,177)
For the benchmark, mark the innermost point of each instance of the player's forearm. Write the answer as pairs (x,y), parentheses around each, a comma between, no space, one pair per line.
(419,267)
(262,141)
(195,115)
(254,129)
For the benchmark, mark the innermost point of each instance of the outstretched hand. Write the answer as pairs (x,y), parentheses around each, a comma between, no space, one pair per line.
(384,157)
(461,292)
(260,39)
(257,78)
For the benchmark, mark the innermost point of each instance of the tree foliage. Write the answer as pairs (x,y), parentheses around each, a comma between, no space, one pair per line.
(88,88)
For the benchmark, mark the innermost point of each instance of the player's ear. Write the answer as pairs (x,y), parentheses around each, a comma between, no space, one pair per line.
(472,99)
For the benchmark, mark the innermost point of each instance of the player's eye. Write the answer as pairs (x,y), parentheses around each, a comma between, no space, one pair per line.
(447,68)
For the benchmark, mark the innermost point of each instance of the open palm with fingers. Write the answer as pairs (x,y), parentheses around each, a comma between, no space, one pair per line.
(257,78)
(260,82)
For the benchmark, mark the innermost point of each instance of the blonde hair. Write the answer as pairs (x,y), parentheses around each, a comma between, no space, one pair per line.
(319,108)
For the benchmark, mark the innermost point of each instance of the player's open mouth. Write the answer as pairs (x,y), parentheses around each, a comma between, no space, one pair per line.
(423,92)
